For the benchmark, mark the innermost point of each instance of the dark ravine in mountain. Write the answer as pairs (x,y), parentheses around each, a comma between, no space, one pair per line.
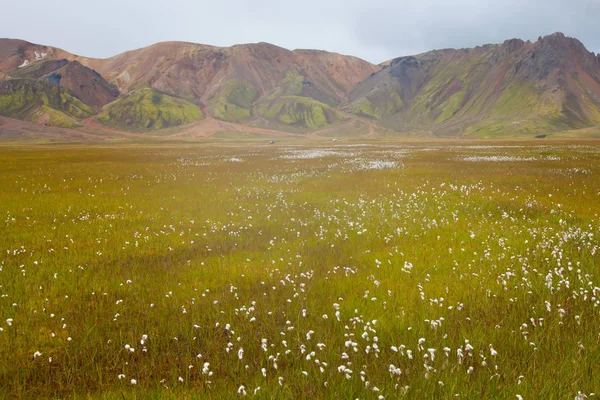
(509,89)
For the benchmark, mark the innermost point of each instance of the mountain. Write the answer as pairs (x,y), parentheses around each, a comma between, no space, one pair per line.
(513,88)
(243,83)
(260,83)
(41,101)
(54,92)
(40,84)
(84,83)
(516,87)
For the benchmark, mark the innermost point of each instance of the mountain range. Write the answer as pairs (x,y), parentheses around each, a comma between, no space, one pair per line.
(516,88)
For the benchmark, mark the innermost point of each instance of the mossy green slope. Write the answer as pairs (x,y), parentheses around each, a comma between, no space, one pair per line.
(41,101)
(300,112)
(234,103)
(294,103)
(294,84)
(378,105)
(298,104)
(148,109)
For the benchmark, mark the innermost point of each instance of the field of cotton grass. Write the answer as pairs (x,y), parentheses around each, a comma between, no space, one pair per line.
(413,271)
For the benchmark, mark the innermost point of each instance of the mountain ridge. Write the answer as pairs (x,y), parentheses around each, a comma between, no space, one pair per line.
(527,87)
(516,87)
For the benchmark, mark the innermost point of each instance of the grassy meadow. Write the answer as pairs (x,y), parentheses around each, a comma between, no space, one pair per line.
(416,271)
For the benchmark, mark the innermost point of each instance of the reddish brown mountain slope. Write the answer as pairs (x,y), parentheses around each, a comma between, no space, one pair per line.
(195,70)
(14,52)
(86,84)
(232,81)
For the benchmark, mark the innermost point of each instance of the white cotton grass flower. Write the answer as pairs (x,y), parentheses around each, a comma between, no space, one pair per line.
(394,370)
(493,352)
(36,354)
(495,158)
(242,390)
(206,369)
(432,353)
(133,382)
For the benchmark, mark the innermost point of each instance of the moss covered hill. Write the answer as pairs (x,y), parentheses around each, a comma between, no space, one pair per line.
(516,87)
(147,109)
(297,102)
(41,101)
(54,92)
(84,83)
(234,82)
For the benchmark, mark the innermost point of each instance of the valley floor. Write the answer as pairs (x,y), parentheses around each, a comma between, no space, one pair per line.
(340,270)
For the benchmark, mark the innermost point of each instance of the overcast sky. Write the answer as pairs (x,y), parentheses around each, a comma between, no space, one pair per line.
(376,30)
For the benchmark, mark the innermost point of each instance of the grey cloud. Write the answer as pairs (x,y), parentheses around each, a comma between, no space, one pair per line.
(376,30)
(412,27)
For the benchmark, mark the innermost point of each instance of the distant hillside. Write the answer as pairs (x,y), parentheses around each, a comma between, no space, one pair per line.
(148,109)
(231,82)
(511,89)
(43,102)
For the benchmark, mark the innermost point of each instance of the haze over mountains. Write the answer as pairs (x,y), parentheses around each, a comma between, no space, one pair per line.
(513,88)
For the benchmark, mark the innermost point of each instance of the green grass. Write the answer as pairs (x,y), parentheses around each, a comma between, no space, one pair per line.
(148,109)
(209,248)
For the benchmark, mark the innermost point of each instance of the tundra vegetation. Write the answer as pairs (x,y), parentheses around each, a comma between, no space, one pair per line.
(348,271)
